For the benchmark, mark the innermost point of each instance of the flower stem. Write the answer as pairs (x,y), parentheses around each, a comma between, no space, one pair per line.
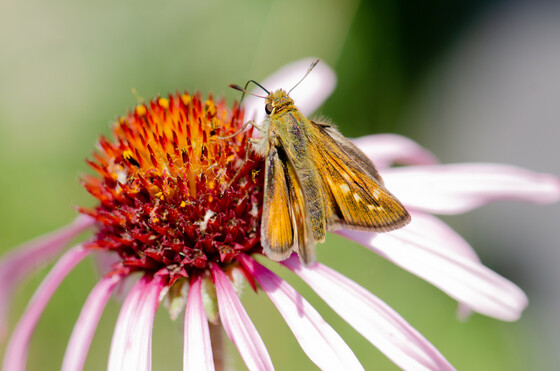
(217,340)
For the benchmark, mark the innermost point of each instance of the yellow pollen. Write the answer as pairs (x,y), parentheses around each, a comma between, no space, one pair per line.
(141,110)
(163,102)
(254,174)
(183,204)
(215,124)
(186,99)
(210,107)
(127,155)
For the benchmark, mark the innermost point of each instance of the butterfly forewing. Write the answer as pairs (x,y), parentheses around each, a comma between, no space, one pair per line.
(360,200)
(350,148)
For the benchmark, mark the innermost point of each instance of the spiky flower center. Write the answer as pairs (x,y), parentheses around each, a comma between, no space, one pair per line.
(166,202)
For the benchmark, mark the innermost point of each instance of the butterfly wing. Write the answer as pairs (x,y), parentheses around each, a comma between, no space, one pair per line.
(305,246)
(358,199)
(284,226)
(277,233)
(350,148)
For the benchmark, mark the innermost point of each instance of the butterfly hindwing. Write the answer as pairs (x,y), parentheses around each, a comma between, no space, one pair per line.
(285,226)
(305,246)
(277,230)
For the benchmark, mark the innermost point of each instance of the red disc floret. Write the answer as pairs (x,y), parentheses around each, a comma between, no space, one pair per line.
(174,194)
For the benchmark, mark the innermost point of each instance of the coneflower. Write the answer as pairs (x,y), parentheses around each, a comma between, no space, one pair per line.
(179,207)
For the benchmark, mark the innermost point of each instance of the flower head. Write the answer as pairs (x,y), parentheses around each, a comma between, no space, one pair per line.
(175,197)
(180,206)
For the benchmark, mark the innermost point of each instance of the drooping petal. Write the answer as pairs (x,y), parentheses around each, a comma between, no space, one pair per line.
(121,341)
(317,339)
(446,238)
(440,260)
(238,326)
(372,318)
(457,188)
(145,323)
(442,235)
(197,353)
(131,347)
(25,259)
(308,96)
(16,352)
(85,326)
(389,149)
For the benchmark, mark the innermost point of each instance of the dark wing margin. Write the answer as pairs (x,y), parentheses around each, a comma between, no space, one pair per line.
(351,149)
(358,199)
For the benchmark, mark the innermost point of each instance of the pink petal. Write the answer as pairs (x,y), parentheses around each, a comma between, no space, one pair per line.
(442,236)
(26,258)
(85,326)
(238,326)
(447,239)
(451,189)
(441,260)
(372,318)
(318,340)
(121,341)
(389,149)
(197,354)
(131,347)
(16,352)
(307,96)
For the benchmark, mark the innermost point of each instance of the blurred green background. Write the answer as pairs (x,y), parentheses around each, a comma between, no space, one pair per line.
(67,69)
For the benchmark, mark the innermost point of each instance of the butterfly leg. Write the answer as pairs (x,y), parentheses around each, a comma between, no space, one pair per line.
(245,160)
(250,122)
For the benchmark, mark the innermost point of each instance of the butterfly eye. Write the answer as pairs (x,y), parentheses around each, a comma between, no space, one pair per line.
(268,108)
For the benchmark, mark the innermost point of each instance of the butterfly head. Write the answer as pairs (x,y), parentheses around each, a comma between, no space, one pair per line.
(278,101)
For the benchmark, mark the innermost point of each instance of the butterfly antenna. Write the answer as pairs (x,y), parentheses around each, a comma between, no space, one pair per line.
(259,85)
(313,64)
(245,91)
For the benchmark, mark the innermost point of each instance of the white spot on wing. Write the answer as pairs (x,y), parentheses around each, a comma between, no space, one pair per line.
(374,208)
(344,187)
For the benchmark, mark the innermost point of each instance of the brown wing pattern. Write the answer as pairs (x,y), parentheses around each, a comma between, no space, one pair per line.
(359,201)
(351,149)
(305,246)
